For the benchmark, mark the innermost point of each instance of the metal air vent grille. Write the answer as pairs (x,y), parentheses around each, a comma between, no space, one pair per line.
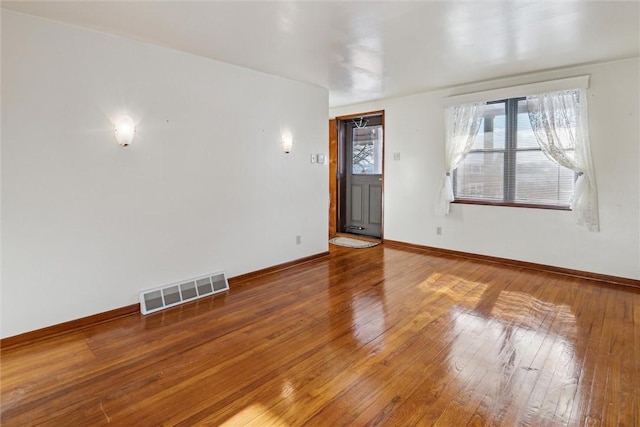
(152,300)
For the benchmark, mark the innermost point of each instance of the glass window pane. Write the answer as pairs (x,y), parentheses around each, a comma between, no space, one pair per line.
(492,133)
(541,181)
(480,176)
(367,151)
(525,137)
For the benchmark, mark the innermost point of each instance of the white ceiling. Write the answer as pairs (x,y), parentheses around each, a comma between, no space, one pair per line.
(363,51)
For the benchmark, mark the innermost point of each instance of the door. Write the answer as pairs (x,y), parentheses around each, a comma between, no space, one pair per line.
(363,172)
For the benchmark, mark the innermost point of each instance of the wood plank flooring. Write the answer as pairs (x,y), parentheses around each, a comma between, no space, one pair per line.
(376,336)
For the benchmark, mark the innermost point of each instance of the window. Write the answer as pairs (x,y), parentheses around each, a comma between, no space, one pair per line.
(367,150)
(507,166)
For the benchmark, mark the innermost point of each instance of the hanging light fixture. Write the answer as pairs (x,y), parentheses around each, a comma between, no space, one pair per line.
(360,122)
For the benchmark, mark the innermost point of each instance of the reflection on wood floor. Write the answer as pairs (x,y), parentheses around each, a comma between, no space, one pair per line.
(379,336)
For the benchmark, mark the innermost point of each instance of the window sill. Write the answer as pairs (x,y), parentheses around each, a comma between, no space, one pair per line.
(510,204)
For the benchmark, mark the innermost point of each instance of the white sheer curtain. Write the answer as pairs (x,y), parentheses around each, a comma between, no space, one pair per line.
(462,123)
(559,121)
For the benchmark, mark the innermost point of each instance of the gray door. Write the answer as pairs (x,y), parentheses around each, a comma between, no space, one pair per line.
(364,149)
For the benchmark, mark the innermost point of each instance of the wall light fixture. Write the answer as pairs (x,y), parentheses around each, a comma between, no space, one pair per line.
(125,130)
(287,142)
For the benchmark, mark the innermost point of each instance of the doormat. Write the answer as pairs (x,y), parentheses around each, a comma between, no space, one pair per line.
(352,243)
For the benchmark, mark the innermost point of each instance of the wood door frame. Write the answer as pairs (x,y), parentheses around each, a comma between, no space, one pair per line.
(333,178)
(337,174)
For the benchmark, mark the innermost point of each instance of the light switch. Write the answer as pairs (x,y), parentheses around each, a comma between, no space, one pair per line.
(313,158)
(321,159)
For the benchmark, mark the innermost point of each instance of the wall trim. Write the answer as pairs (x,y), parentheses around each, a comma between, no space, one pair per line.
(95,319)
(129,310)
(70,326)
(276,268)
(615,280)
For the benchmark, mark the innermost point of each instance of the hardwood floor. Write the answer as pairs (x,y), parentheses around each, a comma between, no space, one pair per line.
(376,336)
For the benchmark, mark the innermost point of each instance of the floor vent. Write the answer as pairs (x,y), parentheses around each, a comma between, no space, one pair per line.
(155,299)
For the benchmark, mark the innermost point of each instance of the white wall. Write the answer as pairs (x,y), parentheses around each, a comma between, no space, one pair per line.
(204,187)
(414,127)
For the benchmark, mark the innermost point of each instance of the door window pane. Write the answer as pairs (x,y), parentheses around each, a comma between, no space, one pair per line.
(367,151)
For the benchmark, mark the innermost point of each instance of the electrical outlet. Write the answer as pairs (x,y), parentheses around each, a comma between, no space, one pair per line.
(298,240)
(396,156)
(439,231)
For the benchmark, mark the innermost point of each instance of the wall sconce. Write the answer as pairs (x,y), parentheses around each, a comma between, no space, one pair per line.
(287,142)
(125,130)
